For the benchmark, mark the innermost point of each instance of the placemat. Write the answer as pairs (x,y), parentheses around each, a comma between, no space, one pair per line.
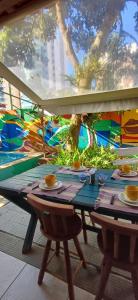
(105,196)
(71,189)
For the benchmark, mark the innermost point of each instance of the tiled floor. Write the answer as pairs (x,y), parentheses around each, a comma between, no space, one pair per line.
(18,281)
(13,226)
(15,221)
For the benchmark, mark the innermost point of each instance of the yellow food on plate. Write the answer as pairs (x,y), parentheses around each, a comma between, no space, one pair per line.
(132,192)
(126,169)
(50,180)
(76,165)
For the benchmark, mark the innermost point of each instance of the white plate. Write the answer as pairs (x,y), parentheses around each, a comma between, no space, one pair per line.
(130,174)
(43,186)
(123,198)
(81,169)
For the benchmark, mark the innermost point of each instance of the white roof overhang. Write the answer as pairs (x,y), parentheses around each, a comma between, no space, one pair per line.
(95,102)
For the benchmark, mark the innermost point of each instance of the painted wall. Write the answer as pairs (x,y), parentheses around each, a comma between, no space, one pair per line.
(129,126)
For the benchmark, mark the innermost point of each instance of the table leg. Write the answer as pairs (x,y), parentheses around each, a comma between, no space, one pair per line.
(29,234)
(84,226)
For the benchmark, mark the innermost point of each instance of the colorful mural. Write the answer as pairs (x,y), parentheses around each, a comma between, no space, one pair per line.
(108,129)
(129,127)
(24,131)
(11,131)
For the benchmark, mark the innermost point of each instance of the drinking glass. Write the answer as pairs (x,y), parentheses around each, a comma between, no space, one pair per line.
(102,179)
(82,177)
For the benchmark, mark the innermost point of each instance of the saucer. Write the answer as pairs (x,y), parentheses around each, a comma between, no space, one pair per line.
(123,198)
(130,174)
(56,186)
(81,169)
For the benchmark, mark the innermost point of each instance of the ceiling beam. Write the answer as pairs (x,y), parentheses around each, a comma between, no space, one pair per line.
(96,97)
(23,10)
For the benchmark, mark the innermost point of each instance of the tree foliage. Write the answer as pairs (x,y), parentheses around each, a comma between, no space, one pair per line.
(21,40)
(83,20)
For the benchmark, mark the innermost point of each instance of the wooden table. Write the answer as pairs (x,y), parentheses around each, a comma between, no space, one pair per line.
(13,190)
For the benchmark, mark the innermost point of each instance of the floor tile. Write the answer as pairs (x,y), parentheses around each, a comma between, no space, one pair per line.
(26,287)
(10,267)
(14,220)
(83,295)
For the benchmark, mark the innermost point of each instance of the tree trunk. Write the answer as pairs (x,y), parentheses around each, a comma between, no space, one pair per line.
(94,52)
(75,131)
(84,83)
(65,35)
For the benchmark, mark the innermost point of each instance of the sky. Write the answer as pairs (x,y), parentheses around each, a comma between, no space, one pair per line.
(128,20)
